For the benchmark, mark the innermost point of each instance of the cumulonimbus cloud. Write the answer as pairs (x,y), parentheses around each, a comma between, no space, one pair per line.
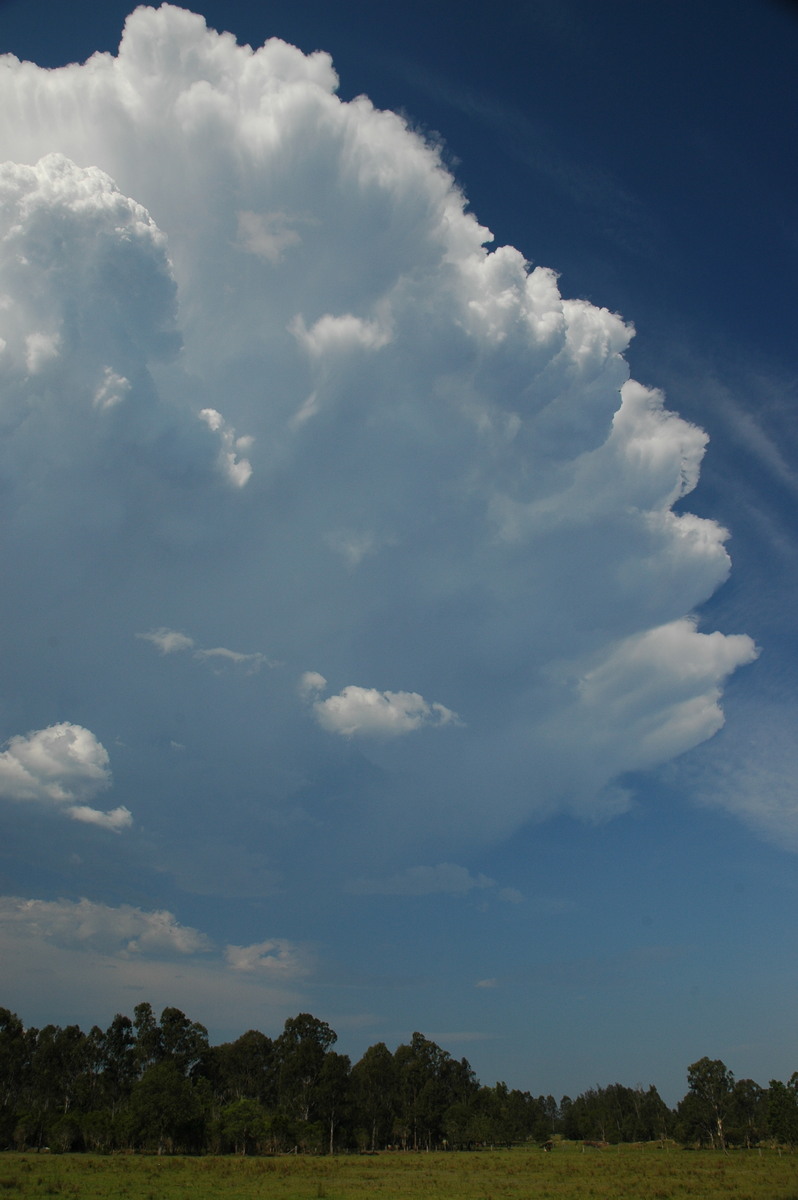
(450,477)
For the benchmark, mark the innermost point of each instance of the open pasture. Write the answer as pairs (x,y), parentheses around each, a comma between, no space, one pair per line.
(615,1173)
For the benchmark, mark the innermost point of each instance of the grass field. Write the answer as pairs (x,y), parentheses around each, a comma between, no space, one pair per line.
(615,1173)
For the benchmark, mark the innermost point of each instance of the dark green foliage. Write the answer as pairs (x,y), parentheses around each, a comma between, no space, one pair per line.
(166,1112)
(703,1112)
(155,1084)
(616,1114)
(375,1087)
(783,1110)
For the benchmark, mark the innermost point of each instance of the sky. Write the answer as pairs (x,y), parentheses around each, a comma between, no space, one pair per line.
(398,483)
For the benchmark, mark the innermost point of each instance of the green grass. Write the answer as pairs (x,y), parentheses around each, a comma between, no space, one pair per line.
(616,1173)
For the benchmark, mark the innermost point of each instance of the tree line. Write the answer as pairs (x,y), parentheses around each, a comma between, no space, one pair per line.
(156,1084)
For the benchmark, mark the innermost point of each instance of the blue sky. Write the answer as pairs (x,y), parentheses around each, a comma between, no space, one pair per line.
(370,643)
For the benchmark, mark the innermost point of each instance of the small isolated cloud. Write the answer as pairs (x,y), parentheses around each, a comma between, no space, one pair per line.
(250,662)
(170,641)
(82,924)
(486,983)
(62,766)
(352,546)
(444,879)
(276,957)
(368,712)
(235,468)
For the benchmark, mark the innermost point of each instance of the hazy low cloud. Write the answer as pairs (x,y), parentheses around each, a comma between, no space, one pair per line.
(100,927)
(275,958)
(106,958)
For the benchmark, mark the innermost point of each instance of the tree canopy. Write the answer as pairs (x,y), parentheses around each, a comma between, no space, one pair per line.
(155,1083)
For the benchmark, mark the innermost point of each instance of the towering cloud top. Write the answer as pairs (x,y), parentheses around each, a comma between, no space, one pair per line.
(264,378)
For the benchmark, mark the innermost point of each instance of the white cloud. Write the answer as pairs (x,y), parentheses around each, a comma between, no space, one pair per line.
(100,927)
(56,764)
(40,348)
(105,959)
(275,958)
(311,684)
(663,687)
(112,390)
(338,334)
(116,820)
(365,711)
(168,641)
(236,469)
(60,766)
(251,662)
(405,389)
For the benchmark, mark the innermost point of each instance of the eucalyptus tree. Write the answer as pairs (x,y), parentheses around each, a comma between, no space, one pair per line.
(708,1101)
(14,1072)
(783,1110)
(375,1082)
(299,1054)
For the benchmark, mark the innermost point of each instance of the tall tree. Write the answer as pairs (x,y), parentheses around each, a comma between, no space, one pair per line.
(166,1110)
(243,1069)
(182,1042)
(783,1110)
(14,1072)
(375,1082)
(299,1054)
(334,1094)
(119,1061)
(711,1086)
